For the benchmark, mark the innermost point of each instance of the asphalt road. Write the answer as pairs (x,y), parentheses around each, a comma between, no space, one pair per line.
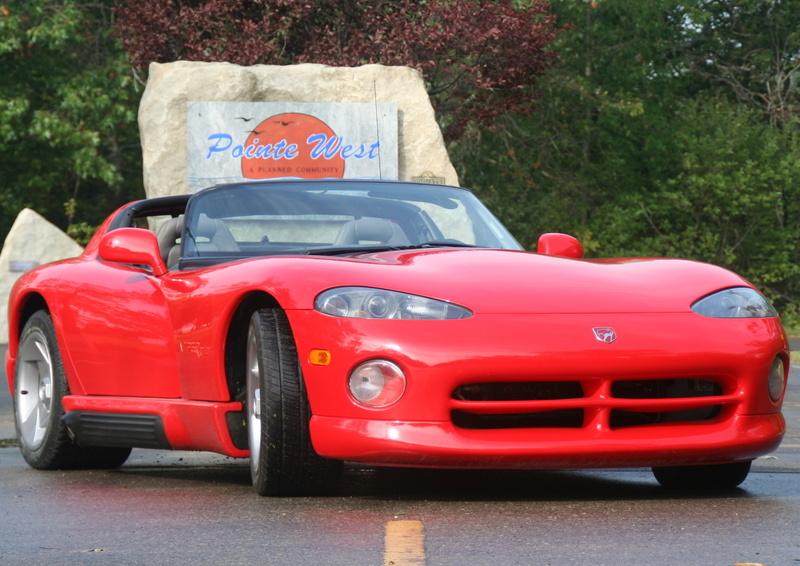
(198,508)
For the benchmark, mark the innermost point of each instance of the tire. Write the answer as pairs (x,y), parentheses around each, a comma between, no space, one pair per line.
(710,477)
(40,384)
(282,459)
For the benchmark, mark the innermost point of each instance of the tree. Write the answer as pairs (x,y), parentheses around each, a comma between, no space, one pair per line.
(734,200)
(68,139)
(749,48)
(603,134)
(480,59)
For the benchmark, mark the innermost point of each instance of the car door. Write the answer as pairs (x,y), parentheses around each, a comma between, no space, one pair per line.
(117,331)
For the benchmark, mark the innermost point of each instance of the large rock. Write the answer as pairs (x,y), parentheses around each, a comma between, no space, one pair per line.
(31,241)
(163,110)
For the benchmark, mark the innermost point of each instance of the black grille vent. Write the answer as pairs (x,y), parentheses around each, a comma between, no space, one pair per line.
(600,404)
(519,391)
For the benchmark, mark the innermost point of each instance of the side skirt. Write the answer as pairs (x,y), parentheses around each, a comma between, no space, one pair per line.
(116,430)
(176,424)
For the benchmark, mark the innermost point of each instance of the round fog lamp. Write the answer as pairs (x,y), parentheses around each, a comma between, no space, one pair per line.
(377,383)
(776,379)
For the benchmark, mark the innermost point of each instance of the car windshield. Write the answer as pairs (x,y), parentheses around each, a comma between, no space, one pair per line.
(333,217)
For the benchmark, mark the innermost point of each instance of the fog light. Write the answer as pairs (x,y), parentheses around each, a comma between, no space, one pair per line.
(776,379)
(377,383)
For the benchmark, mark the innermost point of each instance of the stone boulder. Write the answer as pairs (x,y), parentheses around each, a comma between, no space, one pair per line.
(170,86)
(31,241)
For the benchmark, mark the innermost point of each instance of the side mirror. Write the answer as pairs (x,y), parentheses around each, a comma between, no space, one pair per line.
(562,245)
(133,246)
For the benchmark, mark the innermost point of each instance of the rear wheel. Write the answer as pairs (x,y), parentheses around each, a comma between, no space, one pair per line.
(282,460)
(706,477)
(40,384)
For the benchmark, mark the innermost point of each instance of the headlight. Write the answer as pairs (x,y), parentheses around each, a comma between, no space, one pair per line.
(365,302)
(737,302)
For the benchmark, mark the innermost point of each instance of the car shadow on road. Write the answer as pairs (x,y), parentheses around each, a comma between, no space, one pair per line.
(524,485)
(442,485)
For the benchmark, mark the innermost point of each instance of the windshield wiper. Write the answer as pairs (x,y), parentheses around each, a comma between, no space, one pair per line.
(448,243)
(347,250)
(372,248)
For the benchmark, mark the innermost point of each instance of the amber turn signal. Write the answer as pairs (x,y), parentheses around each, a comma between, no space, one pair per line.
(319,357)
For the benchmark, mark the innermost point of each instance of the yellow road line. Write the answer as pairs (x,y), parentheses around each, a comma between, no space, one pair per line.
(404,544)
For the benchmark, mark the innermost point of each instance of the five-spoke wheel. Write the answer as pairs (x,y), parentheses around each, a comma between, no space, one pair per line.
(39,387)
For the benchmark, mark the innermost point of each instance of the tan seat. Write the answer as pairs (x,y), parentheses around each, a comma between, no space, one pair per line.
(169,235)
(369,229)
(212,236)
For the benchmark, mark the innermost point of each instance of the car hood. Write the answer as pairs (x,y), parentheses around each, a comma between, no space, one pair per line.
(498,281)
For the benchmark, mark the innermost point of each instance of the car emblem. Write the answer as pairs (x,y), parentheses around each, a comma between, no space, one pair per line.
(606,335)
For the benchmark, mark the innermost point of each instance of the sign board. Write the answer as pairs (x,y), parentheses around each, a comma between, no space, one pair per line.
(19,266)
(241,141)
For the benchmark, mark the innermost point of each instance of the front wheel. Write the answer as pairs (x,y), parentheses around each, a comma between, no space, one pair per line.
(705,477)
(282,459)
(40,384)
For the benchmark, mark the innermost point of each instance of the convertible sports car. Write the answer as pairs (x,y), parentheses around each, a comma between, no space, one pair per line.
(306,323)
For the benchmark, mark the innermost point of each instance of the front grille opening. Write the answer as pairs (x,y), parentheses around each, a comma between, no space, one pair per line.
(665,389)
(519,391)
(564,418)
(624,419)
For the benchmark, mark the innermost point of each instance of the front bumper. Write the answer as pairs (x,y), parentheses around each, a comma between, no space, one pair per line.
(673,388)
(442,445)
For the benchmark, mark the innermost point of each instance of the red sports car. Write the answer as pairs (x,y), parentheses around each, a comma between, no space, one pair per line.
(306,323)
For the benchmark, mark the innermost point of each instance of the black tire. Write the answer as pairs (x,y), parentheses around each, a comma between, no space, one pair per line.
(282,459)
(40,384)
(710,477)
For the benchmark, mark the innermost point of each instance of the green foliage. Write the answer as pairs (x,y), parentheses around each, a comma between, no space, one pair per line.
(735,200)
(67,112)
(82,231)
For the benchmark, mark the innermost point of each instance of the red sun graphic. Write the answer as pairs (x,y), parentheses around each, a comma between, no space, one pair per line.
(280,147)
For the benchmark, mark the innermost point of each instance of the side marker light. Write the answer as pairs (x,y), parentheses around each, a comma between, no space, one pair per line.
(319,357)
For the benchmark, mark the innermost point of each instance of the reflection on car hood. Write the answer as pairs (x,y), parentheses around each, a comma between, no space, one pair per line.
(522,282)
